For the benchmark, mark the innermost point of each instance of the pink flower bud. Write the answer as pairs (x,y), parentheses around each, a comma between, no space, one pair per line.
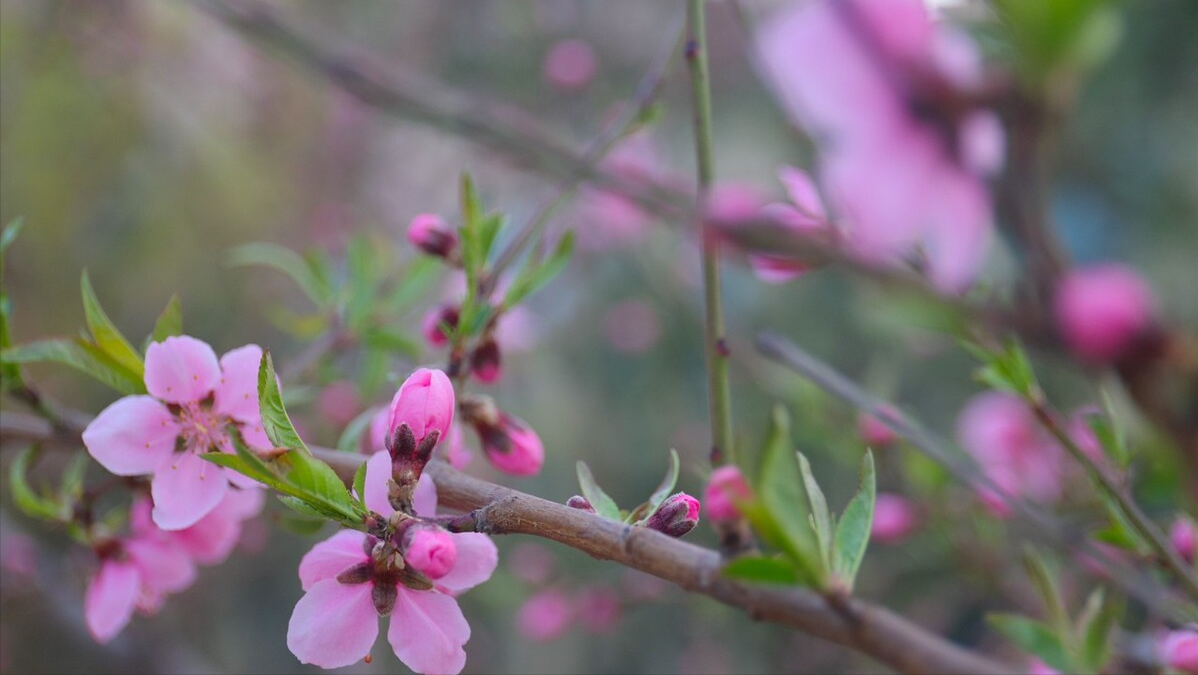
(1183,534)
(425,403)
(430,550)
(579,502)
(874,432)
(894,519)
(726,487)
(485,362)
(678,515)
(545,616)
(1104,311)
(570,64)
(430,326)
(1179,650)
(512,446)
(431,234)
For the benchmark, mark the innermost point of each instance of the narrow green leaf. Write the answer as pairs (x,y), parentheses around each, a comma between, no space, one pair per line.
(301,521)
(275,421)
(362,259)
(80,355)
(105,334)
(392,341)
(662,492)
(1044,581)
(780,496)
(170,321)
(535,275)
(1094,625)
(9,235)
(72,478)
(288,262)
(762,570)
(604,505)
(1033,638)
(852,532)
(319,481)
(413,284)
(487,232)
(25,498)
(360,482)
(821,521)
(302,508)
(10,373)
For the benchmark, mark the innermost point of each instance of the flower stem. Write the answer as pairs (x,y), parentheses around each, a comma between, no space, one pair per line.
(716,350)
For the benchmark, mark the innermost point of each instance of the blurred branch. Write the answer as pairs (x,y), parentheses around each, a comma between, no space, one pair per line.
(499,510)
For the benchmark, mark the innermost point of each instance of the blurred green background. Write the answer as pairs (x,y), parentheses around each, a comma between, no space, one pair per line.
(142,141)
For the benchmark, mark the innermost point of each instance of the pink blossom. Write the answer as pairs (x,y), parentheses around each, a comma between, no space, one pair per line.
(193,398)
(874,432)
(431,234)
(894,519)
(1083,436)
(1038,667)
(1001,433)
(678,515)
(518,329)
(631,326)
(611,220)
(545,616)
(512,446)
(1179,650)
(454,446)
(570,65)
(136,572)
(431,326)
(213,537)
(339,402)
(853,73)
(598,608)
(346,589)
(1184,536)
(804,216)
(425,403)
(726,487)
(1103,311)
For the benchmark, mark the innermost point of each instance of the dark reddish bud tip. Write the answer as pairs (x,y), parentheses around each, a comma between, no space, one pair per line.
(677,516)
(402,443)
(579,502)
(485,362)
(437,322)
(431,234)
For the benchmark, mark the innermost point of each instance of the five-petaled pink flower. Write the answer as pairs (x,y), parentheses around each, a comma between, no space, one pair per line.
(336,622)
(193,399)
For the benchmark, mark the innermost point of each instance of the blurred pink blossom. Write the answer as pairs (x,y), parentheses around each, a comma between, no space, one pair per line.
(1184,536)
(18,554)
(512,446)
(1103,311)
(531,563)
(1179,650)
(874,432)
(339,402)
(726,487)
(804,215)
(1002,434)
(631,326)
(894,519)
(598,608)
(570,65)
(545,616)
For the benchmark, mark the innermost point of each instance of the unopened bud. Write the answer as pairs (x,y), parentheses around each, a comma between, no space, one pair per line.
(726,487)
(678,515)
(874,431)
(430,550)
(485,362)
(431,234)
(512,446)
(1179,650)
(1104,312)
(436,322)
(579,502)
(894,519)
(1184,535)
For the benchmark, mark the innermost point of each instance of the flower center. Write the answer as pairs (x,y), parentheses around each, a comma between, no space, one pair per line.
(201,428)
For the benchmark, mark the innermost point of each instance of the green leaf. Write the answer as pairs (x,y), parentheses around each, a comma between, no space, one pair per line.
(821,521)
(1044,581)
(362,283)
(318,480)
(306,274)
(72,478)
(170,321)
(762,570)
(1099,616)
(360,482)
(299,522)
(78,354)
(852,533)
(489,229)
(1006,370)
(1033,638)
(9,235)
(10,373)
(535,275)
(413,284)
(645,511)
(392,341)
(25,498)
(604,505)
(275,421)
(351,438)
(106,335)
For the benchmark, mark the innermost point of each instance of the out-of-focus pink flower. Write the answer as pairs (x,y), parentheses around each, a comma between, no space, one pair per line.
(1103,311)
(531,563)
(1001,433)
(431,234)
(346,591)
(545,616)
(339,402)
(518,330)
(193,398)
(137,572)
(726,487)
(874,432)
(431,325)
(610,220)
(570,65)
(212,538)
(678,515)
(598,608)
(1038,667)
(1083,436)
(894,519)
(631,326)
(1179,650)
(456,453)
(1184,535)
(512,446)
(18,555)
(425,403)
(855,73)
(804,215)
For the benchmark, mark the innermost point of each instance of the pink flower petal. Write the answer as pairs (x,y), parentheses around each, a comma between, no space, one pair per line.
(181,369)
(111,596)
(427,632)
(331,557)
(333,625)
(477,559)
(131,436)
(424,498)
(378,472)
(237,392)
(164,566)
(211,540)
(801,190)
(185,488)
